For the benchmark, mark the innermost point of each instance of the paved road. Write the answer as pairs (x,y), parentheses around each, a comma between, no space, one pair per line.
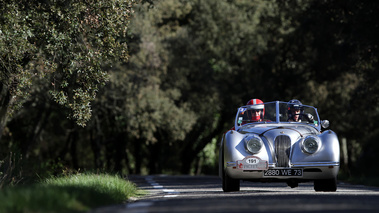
(204,194)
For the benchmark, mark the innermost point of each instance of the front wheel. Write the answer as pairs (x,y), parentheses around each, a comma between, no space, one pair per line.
(326,185)
(229,184)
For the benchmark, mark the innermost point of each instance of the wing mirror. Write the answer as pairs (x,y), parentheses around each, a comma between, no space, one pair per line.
(325,124)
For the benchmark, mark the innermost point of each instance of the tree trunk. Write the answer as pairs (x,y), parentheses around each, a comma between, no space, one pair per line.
(96,137)
(5,100)
(138,156)
(120,155)
(96,149)
(73,148)
(191,150)
(155,158)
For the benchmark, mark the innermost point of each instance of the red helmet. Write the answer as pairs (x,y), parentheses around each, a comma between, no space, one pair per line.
(256,104)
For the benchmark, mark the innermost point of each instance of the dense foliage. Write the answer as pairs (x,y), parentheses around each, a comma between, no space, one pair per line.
(66,43)
(191,64)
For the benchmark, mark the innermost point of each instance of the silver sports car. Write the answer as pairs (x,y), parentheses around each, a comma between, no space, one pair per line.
(278,147)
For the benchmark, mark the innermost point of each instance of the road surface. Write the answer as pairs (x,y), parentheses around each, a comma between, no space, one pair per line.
(204,194)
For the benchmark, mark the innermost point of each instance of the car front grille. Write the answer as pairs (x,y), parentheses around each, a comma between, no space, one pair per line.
(282,150)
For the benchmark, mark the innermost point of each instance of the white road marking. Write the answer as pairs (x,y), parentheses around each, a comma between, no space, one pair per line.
(171,193)
(155,185)
(170,196)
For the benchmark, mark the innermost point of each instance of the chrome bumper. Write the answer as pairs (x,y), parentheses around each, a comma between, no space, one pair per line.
(311,171)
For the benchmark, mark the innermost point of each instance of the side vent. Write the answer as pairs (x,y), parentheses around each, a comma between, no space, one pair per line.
(282,150)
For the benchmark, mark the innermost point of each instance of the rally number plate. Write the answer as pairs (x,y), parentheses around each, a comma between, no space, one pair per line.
(252,163)
(284,172)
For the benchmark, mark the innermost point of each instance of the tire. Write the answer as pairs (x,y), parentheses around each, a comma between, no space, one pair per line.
(229,184)
(326,185)
(292,184)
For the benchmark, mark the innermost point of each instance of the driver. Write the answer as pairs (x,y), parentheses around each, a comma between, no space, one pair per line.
(296,112)
(256,110)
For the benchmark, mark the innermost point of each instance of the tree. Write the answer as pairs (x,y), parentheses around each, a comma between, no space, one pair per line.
(206,52)
(66,43)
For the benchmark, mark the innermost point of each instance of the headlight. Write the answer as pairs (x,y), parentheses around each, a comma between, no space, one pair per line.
(253,144)
(311,144)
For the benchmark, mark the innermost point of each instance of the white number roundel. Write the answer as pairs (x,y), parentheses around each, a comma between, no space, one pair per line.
(252,161)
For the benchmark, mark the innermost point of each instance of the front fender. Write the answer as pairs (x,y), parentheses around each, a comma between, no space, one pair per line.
(221,157)
(228,144)
(329,151)
(232,149)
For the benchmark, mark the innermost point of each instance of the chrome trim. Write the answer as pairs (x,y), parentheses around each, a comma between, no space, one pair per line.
(277,111)
(231,164)
(316,164)
(282,145)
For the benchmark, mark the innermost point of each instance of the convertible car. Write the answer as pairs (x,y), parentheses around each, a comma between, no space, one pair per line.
(277,148)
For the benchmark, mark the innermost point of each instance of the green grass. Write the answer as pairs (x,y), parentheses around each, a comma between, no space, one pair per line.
(74,193)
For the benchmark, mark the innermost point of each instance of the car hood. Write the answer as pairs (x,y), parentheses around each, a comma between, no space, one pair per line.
(270,131)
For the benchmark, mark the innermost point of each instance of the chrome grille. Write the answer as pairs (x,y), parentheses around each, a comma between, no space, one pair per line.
(282,150)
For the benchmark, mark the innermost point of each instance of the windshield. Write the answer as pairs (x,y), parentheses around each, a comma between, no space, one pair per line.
(276,112)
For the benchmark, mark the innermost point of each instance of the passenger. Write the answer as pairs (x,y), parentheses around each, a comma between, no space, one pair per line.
(296,112)
(295,108)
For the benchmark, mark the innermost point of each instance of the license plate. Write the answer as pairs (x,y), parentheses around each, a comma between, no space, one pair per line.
(284,172)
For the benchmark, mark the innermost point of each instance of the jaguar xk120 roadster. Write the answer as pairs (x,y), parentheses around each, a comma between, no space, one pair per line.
(287,143)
